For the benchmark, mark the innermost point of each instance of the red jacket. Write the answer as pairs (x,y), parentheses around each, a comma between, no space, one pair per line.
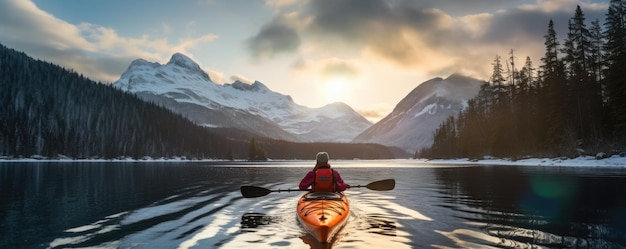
(309,178)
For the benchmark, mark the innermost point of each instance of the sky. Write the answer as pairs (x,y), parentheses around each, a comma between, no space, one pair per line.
(368,54)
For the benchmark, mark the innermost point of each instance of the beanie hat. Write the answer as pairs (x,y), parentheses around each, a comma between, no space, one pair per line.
(322,158)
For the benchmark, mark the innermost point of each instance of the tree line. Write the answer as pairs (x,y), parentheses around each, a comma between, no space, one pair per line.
(51,112)
(574,103)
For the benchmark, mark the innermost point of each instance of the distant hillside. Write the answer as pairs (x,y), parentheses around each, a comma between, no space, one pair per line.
(48,111)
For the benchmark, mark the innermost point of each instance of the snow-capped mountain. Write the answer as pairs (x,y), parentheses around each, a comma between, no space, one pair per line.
(183,87)
(410,126)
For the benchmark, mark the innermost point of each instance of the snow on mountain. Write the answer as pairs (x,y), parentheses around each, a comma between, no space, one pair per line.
(182,86)
(410,126)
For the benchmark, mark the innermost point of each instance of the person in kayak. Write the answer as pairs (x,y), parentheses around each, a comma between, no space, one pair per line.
(322,178)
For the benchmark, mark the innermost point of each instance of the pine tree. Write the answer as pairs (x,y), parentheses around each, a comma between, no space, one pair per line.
(551,65)
(497,77)
(553,96)
(596,58)
(513,71)
(577,46)
(584,94)
(524,109)
(615,47)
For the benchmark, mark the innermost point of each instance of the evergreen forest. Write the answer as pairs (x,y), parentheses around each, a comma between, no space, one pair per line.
(573,104)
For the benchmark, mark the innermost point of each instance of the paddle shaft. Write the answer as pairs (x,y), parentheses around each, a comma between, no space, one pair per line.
(290,190)
(253,191)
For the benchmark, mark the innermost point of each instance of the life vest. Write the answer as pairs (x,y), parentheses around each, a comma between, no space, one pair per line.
(324,181)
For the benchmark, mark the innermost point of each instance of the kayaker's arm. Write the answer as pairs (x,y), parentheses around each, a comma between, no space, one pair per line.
(341,186)
(307,181)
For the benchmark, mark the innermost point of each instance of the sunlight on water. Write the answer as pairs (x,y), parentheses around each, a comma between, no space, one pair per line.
(209,231)
(84,233)
(461,238)
(165,224)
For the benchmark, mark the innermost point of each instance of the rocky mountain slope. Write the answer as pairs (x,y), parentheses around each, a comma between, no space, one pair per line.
(410,126)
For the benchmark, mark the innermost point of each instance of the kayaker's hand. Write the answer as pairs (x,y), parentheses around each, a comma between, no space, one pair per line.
(347,185)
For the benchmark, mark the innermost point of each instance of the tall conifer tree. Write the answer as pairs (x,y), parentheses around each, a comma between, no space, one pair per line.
(615,33)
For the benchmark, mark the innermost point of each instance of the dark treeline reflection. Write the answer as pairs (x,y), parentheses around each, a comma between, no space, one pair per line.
(46,199)
(555,208)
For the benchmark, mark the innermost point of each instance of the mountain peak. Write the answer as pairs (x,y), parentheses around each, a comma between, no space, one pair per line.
(426,107)
(142,62)
(183,61)
(243,86)
(338,105)
(457,77)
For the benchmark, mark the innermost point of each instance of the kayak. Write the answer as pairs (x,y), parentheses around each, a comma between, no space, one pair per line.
(323,214)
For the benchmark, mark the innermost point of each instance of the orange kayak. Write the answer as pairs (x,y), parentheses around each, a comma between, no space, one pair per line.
(323,214)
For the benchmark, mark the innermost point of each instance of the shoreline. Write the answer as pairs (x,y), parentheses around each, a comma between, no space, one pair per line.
(583,161)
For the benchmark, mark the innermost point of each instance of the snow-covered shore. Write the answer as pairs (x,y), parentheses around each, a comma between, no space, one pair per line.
(583,161)
(67,159)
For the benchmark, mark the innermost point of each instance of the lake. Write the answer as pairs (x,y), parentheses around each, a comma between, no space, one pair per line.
(198,205)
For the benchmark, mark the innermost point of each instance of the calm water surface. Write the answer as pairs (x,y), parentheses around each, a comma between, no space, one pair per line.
(198,205)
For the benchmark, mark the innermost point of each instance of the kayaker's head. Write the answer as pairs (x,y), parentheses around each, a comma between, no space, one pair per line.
(322,160)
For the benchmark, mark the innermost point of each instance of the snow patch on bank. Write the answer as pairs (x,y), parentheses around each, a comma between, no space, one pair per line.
(583,161)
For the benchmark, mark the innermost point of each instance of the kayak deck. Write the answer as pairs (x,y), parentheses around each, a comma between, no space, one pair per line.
(322,214)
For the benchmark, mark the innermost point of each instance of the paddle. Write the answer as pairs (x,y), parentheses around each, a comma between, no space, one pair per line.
(382,185)
(253,191)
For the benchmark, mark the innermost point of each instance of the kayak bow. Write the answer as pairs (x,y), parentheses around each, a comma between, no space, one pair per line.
(323,214)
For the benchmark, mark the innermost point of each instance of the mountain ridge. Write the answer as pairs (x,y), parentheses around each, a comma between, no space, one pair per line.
(183,87)
(413,121)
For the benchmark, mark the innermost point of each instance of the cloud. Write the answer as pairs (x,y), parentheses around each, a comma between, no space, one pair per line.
(553,6)
(98,52)
(216,76)
(425,36)
(375,113)
(274,38)
(22,21)
(339,68)
(401,33)
(328,68)
(279,3)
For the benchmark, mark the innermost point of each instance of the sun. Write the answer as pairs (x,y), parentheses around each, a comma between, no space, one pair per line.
(337,89)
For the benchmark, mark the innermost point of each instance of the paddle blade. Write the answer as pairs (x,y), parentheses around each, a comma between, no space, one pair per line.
(252,191)
(382,185)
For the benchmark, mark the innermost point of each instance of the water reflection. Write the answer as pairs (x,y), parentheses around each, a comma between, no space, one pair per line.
(381,224)
(254,220)
(528,207)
